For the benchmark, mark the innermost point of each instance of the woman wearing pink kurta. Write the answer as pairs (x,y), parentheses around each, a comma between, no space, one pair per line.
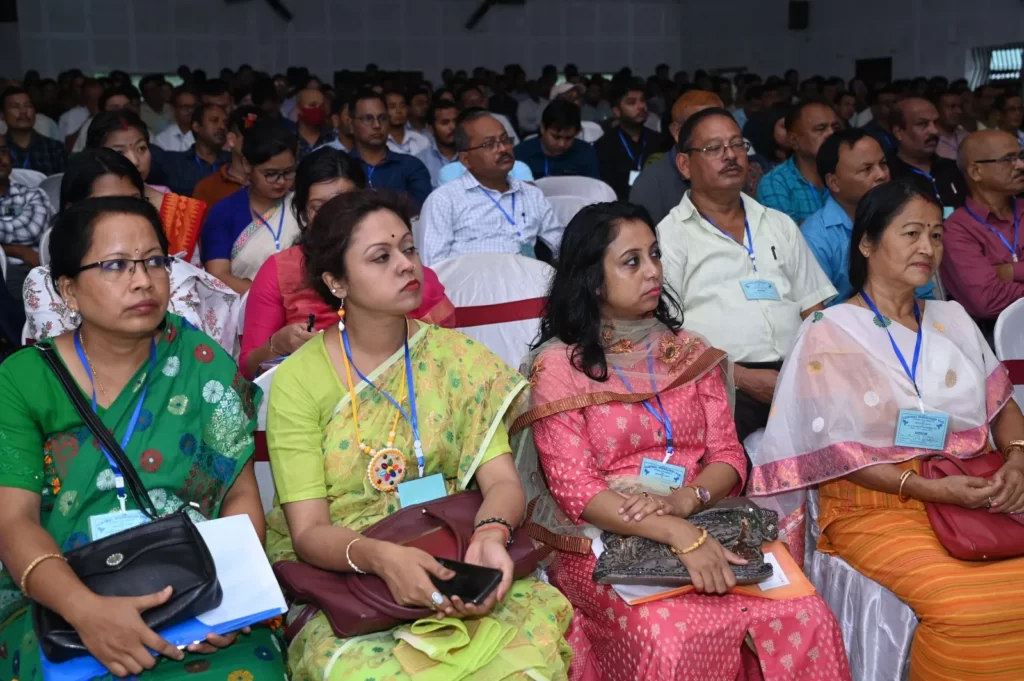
(616,381)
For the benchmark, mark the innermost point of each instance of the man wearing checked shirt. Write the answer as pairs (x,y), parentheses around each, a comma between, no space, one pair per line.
(794,187)
(24,213)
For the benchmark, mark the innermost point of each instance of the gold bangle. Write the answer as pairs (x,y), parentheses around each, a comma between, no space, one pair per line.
(696,545)
(270,345)
(1013,444)
(903,479)
(32,566)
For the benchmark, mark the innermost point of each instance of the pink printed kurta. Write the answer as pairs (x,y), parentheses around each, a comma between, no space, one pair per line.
(693,637)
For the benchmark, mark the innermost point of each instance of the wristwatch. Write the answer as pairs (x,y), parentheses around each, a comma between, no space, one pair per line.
(703,495)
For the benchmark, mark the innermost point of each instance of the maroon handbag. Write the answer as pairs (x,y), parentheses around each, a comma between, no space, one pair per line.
(972,534)
(362,604)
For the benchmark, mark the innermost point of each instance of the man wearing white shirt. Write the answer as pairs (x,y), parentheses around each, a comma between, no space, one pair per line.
(441,122)
(402,140)
(155,112)
(178,136)
(485,211)
(744,275)
(530,109)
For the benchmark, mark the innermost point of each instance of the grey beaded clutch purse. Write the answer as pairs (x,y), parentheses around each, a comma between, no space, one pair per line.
(740,527)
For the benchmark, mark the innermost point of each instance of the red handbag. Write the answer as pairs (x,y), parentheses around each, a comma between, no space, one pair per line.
(972,534)
(362,604)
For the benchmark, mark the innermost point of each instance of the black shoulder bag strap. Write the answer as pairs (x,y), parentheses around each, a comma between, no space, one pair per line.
(103,436)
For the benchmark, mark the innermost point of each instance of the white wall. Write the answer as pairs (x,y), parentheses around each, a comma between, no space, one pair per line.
(923,36)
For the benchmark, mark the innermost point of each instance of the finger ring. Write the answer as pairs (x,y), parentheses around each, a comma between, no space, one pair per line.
(437,598)
(646,494)
(990,502)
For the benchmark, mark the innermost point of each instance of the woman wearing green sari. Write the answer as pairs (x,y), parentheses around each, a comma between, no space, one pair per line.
(332,443)
(191,443)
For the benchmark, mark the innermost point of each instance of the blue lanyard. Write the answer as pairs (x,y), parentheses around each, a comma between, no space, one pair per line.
(369,174)
(639,162)
(659,414)
(409,416)
(497,202)
(911,370)
(280,226)
(1016,225)
(547,168)
(935,185)
(118,477)
(748,247)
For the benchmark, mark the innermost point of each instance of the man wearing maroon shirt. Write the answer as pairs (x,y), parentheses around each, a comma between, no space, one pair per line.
(983,264)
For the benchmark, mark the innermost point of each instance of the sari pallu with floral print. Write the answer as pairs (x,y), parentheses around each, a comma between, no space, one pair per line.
(192,439)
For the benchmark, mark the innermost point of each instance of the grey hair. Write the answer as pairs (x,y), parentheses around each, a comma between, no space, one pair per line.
(465,118)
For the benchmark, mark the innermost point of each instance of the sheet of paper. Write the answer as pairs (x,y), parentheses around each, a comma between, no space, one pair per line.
(778,577)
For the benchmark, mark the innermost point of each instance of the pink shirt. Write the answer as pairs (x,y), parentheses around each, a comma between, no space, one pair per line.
(970,254)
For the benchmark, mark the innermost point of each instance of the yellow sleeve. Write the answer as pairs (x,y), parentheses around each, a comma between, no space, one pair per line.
(499,445)
(294,429)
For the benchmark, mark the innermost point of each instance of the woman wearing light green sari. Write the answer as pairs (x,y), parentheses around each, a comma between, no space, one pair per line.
(362,259)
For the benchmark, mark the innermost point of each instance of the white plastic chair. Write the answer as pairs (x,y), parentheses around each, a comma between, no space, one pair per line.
(653,122)
(591,132)
(27,177)
(566,207)
(51,185)
(1009,341)
(3,263)
(498,299)
(595,191)
(264,475)
(44,247)
(878,628)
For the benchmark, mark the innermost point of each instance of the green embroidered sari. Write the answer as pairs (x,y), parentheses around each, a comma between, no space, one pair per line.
(193,438)
(463,393)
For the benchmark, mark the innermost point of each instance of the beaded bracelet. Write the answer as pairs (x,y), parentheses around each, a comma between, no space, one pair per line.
(696,545)
(497,521)
(348,557)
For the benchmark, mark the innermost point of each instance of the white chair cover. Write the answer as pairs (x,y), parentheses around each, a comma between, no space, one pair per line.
(44,247)
(878,628)
(1009,340)
(417,232)
(496,286)
(566,207)
(588,188)
(591,132)
(264,476)
(27,177)
(51,186)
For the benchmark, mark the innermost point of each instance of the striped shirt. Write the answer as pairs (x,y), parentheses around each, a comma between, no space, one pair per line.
(463,217)
(24,213)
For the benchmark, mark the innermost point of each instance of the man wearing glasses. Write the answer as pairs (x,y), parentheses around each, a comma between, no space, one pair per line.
(983,265)
(743,273)
(486,210)
(385,169)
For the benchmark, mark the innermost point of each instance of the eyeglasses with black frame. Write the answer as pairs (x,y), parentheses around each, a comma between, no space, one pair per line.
(492,144)
(273,175)
(717,150)
(1009,158)
(117,268)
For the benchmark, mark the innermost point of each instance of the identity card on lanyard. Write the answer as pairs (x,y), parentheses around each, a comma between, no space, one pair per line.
(1016,228)
(918,429)
(662,471)
(276,236)
(753,289)
(526,248)
(635,172)
(106,524)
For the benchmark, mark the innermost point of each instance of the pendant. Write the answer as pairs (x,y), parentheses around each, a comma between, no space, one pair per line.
(386,469)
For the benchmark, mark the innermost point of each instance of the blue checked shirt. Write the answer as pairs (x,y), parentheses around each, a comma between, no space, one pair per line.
(786,190)
(463,217)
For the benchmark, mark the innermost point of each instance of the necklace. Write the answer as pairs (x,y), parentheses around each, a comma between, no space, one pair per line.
(387,465)
(95,376)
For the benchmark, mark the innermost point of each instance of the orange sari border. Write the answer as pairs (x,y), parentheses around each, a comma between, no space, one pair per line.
(182,218)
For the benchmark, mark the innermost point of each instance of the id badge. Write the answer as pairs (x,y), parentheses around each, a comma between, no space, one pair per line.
(102,526)
(673,476)
(421,490)
(527,249)
(922,430)
(633,174)
(759,289)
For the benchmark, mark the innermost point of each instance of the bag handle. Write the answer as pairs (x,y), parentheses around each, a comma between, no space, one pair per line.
(103,436)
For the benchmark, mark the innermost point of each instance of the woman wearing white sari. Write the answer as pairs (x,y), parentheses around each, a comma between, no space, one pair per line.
(874,387)
(255,222)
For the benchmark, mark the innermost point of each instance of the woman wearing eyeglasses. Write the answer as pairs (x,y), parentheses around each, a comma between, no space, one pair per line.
(185,417)
(255,222)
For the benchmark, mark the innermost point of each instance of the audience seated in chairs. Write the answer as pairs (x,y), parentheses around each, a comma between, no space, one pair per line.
(24,216)
(913,127)
(623,153)
(441,118)
(195,295)
(485,211)
(281,301)
(322,432)
(401,140)
(231,176)
(185,169)
(834,422)
(612,330)
(124,132)
(556,150)
(850,162)
(255,222)
(28,148)
(125,339)
(745,276)
(983,246)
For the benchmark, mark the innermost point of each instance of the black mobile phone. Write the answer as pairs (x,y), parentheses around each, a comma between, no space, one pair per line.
(472,583)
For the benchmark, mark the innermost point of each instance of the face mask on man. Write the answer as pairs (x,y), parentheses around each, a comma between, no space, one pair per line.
(312,115)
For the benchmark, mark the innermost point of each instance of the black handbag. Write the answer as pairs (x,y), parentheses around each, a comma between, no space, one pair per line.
(169,551)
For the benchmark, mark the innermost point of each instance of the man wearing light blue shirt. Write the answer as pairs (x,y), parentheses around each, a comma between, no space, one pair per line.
(850,162)
(441,123)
